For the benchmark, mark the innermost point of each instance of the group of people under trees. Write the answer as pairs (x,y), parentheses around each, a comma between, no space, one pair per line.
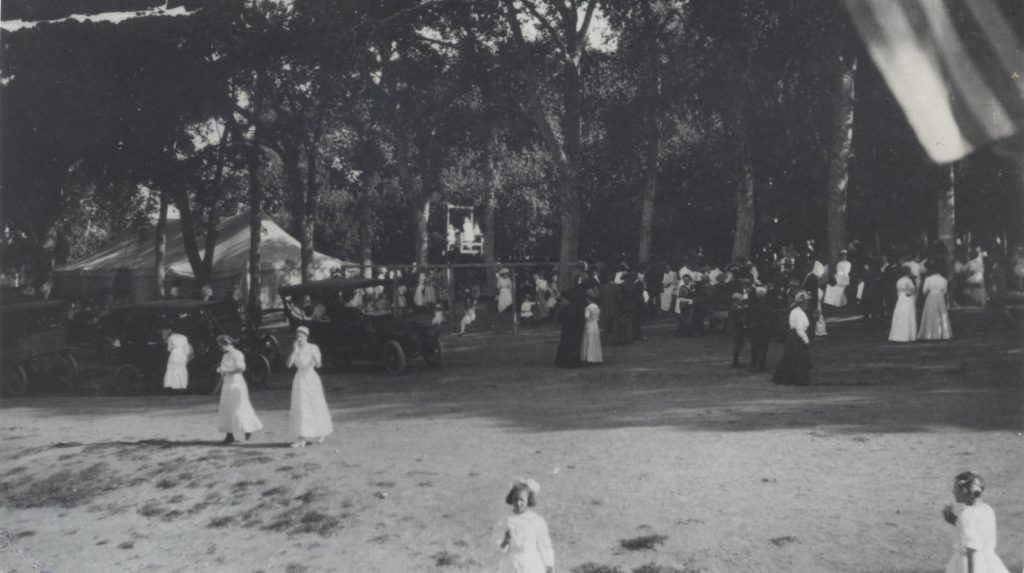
(781,301)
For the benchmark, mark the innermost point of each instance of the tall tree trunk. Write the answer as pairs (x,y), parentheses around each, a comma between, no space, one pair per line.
(569,204)
(744,235)
(491,183)
(366,197)
(408,185)
(255,227)
(421,243)
(161,246)
(839,158)
(310,197)
(652,95)
(947,215)
(212,222)
(189,233)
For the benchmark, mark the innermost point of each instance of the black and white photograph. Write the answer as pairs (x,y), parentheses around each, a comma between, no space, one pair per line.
(512,286)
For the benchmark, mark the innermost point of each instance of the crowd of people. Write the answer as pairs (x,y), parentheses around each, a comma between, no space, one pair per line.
(783,297)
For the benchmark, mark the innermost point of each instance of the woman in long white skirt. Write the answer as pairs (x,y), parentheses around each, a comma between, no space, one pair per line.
(904,315)
(309,419)
(590,350)
(235,415)
(504,286)
(180,353)
(935,318)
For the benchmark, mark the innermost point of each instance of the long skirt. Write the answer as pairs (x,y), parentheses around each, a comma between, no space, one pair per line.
(794,367)
(541,309)
(590,350)
(935,319)
(571,340)
(504,298)
(309,416)
(904,320)
(235,415)
(176,376)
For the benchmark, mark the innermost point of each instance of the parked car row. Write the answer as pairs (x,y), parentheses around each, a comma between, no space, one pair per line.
(130,345)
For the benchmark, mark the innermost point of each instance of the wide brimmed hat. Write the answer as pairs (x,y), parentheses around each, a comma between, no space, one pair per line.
(801,296)
(302,330)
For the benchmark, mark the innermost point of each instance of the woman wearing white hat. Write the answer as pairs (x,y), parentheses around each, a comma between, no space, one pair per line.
(309,420)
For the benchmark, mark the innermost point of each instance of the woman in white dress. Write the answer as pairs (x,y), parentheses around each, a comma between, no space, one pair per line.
(669,285)
(526,544)
(835,295)
(904,315)
(590,350)
(235,415)
(309,420)
(419,295)
(180,353)
(975,522)
(935,318)
(540,285)
(975,279)
(504,285)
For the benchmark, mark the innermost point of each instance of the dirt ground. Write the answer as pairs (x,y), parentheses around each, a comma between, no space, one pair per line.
(662,460)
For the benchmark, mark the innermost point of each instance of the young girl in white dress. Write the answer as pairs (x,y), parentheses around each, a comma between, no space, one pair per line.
(590,351)
(526,544)
(309,420)
(904,315)
(180,353)
(935,318)
(504,286)
(235,415)
(975,522)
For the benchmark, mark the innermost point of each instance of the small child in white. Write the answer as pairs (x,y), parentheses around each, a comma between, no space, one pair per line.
(527,545)
(975,523)
(526,309)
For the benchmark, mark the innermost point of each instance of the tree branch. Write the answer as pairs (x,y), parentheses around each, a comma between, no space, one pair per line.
(582,34)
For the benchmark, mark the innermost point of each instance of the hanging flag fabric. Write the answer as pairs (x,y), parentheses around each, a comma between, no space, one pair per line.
(956,67)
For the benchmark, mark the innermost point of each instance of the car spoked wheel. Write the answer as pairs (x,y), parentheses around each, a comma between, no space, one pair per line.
(270,349)
(394,357)
(258,373)
(128,380)
(432,353)
(15,381)
(65,369)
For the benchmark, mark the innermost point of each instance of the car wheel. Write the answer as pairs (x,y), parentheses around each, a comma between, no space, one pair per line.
(65,369)
(270,349)
(15,381)
(432,353)
(259,372)
(128,380)
(394,357)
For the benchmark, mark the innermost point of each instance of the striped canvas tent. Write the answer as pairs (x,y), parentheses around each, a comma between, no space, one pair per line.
(955,66)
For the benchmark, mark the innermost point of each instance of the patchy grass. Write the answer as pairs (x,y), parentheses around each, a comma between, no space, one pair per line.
(295,568)
(66,488)
(596,568)
(222,521)
(166,484)
(446,559)
(276,491)
(126,545)
(785,540)
(151,509)
(652,568)
(643,543)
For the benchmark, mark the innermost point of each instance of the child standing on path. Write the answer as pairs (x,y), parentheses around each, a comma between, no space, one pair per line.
(975,524)
(527,545)
(309,420)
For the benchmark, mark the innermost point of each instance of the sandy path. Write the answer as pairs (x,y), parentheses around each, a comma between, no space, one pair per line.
(737,474)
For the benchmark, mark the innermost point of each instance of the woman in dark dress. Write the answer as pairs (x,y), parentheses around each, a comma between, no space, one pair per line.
(573,318)
(795,366)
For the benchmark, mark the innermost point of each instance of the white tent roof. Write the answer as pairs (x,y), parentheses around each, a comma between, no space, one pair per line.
(278,251)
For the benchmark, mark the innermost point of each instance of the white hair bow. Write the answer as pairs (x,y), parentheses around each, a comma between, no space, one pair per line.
(531,484)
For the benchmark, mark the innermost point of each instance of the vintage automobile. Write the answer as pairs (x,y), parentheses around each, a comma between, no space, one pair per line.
(35,346)
(347,332)
(132,337)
